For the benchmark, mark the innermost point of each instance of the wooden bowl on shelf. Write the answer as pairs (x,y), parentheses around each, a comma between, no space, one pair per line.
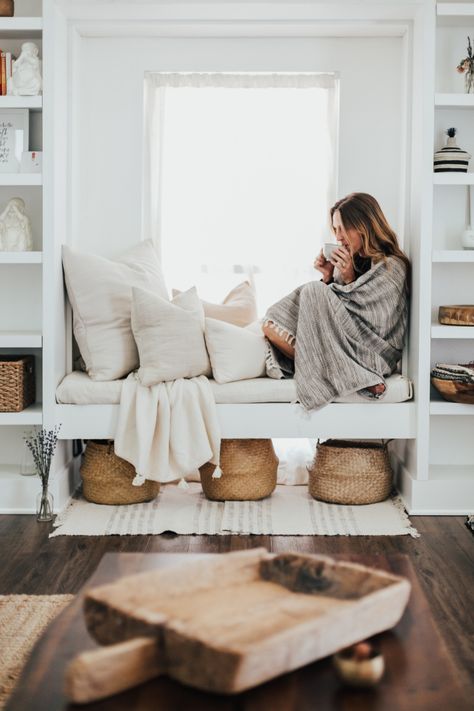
(454,391)
(459,315)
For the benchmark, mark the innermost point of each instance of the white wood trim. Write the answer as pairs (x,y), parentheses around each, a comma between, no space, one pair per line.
(458,9)
(34,103)
(452,332)
(443,407)
(13,27)
(453,178)
(453,255)
(21,179)
(20,339)
(263,420)
(21,257)
(32,415)
(133,10)
(454,101)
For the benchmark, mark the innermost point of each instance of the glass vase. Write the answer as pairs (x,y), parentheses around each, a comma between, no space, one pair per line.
(44,505)
(469,79)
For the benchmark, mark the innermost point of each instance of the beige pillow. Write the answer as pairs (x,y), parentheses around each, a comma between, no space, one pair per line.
(236,353)
(239,306)
(169,336)
(100,292)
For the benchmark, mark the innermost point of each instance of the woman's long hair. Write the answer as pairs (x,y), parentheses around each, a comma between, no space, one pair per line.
(361,212)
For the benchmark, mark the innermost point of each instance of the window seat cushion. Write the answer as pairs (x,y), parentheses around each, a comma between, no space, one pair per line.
(78,388)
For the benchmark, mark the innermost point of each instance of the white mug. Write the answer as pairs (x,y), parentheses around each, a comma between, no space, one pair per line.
(328,249)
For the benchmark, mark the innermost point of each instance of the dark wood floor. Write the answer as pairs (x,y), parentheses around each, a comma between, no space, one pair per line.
(443,557)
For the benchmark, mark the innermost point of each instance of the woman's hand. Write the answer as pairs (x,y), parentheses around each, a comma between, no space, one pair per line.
(342,259)
(322,265)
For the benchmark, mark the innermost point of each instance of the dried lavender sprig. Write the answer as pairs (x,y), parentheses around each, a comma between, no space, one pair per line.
(42,445)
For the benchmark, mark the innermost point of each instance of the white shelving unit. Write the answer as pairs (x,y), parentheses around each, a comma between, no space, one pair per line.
(450,483)
(21,332)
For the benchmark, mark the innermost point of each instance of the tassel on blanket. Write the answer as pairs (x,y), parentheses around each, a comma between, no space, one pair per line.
(139,480)
(183,484)
(217,473)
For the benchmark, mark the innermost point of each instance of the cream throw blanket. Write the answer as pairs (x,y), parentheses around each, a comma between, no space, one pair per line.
(167,430)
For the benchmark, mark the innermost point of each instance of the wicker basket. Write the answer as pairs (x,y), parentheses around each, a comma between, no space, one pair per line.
(107,479)
(249,469)
(345,472)
(6,8)
(17,382)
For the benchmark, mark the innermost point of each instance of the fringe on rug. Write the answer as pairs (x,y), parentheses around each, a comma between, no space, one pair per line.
(398,502)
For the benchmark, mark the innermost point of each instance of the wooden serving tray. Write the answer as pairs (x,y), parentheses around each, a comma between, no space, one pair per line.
(460,315)
(231,622)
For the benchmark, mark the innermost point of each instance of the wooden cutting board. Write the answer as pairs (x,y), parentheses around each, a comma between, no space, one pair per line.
(231,622)
(460,315)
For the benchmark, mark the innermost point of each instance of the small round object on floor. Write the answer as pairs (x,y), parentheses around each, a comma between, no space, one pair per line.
(360,665)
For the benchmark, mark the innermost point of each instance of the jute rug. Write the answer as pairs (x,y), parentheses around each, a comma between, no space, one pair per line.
(290,511)
(22,620)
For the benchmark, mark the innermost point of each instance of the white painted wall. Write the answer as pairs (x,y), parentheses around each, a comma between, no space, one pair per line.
(106,188)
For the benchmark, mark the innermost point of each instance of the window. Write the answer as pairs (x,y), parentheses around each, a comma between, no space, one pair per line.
(241,176)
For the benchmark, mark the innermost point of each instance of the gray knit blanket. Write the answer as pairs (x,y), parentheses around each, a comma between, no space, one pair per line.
(346,337)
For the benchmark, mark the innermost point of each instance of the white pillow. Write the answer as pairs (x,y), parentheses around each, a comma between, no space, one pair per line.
(169,336)
(236,353)
(100,292)
(239,306)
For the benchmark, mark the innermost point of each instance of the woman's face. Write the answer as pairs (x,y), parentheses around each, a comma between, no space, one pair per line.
(351,239)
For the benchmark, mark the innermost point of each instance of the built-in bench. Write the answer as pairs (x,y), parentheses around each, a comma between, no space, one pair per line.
(256,408)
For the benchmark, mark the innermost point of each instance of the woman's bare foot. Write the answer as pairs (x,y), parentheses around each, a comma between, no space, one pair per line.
(377,389)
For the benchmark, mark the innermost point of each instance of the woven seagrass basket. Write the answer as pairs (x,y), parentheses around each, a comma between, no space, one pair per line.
(249,469)
(345,472)
(107,479)
(17,382)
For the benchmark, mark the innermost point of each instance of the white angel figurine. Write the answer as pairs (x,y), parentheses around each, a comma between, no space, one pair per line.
(26,72)
(15,228)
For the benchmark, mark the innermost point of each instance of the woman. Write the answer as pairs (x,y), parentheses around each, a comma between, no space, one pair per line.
(346,332)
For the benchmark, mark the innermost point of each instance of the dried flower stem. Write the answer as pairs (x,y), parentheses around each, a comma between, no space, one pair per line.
(42,445)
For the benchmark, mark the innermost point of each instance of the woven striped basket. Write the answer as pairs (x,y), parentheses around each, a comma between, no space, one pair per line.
(249,469)
(107,479)
(345,472)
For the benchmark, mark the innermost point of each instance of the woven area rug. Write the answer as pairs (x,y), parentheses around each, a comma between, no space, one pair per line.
(290,511)
(22,620)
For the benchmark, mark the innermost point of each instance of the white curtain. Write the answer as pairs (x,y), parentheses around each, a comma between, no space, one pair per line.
(267,231)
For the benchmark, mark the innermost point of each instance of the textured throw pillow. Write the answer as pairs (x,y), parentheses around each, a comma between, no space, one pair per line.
(169,336)
(100,292)
(236,353)
(239,306)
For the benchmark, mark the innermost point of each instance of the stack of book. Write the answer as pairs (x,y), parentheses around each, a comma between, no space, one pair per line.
(6,66)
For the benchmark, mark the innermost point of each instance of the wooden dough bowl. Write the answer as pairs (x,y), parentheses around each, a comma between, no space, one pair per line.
(455,391)
(462,315)
(230,623)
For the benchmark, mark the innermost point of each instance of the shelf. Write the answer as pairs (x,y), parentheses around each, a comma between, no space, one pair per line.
(24,27)
(451,471)
(443,407)
(457,10)
(33,415)
(453,178)
(21,179)
(35,103)
(454,255)
(21,339)
(21,257)
(453,332)
(454,101)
